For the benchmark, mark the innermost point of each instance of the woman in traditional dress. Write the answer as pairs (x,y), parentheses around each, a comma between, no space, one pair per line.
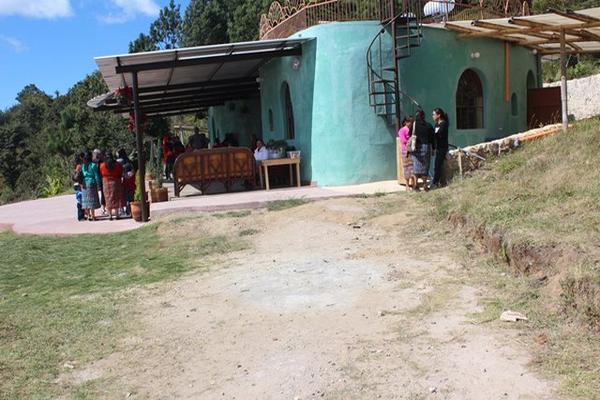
(90,201)
(128,180)
(112,183)
(404,134)
(421,158)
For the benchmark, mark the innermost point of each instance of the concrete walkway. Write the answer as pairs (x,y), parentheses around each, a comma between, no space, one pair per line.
(58,215)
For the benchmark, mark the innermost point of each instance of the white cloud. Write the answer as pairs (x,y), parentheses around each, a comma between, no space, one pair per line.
(36,8)
(126,10)
(13,43)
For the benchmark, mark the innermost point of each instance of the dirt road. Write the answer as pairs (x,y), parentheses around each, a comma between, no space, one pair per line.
(342,299)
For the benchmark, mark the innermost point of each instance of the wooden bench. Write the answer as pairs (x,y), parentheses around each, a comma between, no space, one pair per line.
(227,165)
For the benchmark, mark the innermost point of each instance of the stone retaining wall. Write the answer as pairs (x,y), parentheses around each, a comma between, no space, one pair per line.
(494,148)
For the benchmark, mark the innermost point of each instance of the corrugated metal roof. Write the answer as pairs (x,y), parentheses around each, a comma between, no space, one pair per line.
(540,32)
(194,77)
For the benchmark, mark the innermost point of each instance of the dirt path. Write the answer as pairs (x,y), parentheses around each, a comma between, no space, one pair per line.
(331,301)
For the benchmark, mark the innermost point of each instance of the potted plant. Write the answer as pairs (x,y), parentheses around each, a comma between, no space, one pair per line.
(277,148)
(136,204)
(158,193)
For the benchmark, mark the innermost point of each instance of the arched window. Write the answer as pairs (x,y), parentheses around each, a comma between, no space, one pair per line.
(531,84)
(469,101)
(288,112)
(271,127)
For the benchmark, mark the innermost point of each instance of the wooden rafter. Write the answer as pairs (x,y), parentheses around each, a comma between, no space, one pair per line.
(575,15)
(502,29)
(540,26)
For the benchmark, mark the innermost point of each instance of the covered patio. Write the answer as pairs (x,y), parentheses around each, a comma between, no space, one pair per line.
(556,33)
(184,81)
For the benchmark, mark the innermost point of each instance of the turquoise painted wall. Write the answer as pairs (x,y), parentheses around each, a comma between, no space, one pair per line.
(301,85)
(240,117)
(341,138)
(431,76)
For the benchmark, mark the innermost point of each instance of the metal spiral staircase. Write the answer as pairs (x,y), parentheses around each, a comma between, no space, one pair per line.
(405,31)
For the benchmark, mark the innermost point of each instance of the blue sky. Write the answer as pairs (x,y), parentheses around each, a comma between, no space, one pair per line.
(52,43)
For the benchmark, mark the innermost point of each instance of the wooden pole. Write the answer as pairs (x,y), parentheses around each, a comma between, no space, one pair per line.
(460,169)
(506,72)
(139,138)
(563,81)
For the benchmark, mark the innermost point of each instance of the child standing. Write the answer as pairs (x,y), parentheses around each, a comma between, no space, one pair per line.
(78,198)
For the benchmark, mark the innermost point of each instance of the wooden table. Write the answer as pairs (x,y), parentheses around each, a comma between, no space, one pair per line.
(265,164)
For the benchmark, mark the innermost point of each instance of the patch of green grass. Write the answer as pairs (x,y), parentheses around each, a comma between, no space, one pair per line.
(436,300)
(548,191)
(233,214)
(64,299)
(248,232)
(279,205)
(389,204)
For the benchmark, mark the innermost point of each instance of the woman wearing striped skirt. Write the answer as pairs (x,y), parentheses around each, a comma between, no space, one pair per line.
(112,183)
(421,158)
(90,201)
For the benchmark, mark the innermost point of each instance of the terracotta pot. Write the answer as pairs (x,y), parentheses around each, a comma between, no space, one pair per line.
(136,210)
(159,195)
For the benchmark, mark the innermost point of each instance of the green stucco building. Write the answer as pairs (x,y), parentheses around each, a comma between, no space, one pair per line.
(319,101)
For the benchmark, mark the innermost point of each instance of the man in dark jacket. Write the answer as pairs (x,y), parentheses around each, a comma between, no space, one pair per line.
(198,141)
(441,145)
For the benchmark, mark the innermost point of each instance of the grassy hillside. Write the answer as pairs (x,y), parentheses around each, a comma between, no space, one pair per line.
(538,211)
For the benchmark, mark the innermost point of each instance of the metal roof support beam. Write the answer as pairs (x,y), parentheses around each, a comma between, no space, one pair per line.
(294,51)
(199,85)
(196,98)
(184,105)
(196,92)
(139,138)
(178,112)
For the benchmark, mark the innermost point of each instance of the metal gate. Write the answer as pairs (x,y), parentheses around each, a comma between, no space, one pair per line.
(543,107)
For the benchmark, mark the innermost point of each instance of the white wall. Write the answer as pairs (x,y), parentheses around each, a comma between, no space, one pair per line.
(584,96)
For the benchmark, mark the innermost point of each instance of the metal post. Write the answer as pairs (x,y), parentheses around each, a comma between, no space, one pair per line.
(563,81)
(506,72)
(460,168)
(397,108)
(139,138)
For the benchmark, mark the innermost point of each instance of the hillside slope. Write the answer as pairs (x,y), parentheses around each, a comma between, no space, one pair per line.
(538,211)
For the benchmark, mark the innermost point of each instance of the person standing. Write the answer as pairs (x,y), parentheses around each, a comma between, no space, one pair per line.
(404,134)
(421,157)
(78,199)
(128,179)
(90,181)
(260,152)
(98,158)
(198,141)
(112,182)
(441,145)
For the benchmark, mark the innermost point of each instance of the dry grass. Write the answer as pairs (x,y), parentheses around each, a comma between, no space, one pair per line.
(544,196)
(547,192)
